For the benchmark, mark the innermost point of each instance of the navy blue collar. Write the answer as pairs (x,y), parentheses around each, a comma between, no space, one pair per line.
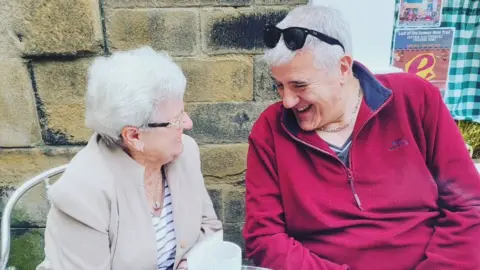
(375,95)
(374,92)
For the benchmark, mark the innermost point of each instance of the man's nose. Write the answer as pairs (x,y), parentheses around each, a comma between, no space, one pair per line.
(290,99)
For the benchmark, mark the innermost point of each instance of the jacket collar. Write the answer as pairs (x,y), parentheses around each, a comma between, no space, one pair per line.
(375,96)
(375,93)
(132,175)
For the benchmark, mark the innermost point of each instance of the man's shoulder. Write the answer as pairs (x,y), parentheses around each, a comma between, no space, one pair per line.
(396,77)
(268,120)
(272,113)
(407,85)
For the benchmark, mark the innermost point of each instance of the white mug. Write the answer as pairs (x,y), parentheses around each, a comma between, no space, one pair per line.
(228,256)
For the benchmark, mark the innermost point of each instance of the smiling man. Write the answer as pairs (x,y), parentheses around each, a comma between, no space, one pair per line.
(352,170)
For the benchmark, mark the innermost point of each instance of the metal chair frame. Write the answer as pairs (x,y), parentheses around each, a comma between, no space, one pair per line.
(7,211)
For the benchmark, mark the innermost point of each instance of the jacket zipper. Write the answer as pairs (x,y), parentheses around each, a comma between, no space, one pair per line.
(352,187)
(350,178)
(349,173)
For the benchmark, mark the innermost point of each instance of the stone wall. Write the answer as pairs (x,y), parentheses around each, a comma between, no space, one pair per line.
(46,47)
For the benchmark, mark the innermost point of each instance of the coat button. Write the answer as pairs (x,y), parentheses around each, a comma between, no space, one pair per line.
(182,244)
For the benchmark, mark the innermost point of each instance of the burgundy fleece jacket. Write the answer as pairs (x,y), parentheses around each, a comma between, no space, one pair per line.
(418,191)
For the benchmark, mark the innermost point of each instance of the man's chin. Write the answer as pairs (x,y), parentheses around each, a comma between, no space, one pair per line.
(307,126)
(307,123)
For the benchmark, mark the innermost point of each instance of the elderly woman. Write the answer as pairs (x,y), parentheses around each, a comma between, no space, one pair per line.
(352,170)
(134,197)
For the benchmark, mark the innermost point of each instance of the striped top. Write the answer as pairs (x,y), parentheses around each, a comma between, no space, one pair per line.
(343,151)
(165,233)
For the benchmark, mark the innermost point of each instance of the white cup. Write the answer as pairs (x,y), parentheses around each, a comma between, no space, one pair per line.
(228,256)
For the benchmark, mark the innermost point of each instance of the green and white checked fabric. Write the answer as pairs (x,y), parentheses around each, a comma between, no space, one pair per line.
(463,94)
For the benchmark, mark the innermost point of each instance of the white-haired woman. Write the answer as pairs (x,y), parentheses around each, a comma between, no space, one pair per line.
(134,197)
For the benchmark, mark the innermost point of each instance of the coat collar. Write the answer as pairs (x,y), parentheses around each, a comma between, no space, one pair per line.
(376,94)
(131,176)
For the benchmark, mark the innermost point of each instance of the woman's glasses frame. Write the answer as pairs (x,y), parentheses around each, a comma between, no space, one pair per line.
(177,122)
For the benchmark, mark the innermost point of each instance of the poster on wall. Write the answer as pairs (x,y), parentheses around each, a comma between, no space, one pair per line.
(425,52)
(419,13)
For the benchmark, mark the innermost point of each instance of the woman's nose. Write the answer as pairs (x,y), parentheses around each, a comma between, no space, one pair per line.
(187,122)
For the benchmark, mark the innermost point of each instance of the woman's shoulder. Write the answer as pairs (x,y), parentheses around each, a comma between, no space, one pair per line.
(190,149)
(83,192)
(188,163)
(189,144)
(86,182)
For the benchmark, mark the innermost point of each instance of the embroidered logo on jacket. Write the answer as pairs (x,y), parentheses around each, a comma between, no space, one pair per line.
(397,144)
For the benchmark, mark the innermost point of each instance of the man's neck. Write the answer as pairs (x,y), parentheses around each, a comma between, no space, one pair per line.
(350,97)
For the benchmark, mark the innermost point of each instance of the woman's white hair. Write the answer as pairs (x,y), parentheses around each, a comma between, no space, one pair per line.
(124,89)
(324,19)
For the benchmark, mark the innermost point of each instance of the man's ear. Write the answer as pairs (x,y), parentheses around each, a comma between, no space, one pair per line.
(346,63)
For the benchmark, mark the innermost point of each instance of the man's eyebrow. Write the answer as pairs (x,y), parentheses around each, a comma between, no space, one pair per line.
(297,82)
(290,82)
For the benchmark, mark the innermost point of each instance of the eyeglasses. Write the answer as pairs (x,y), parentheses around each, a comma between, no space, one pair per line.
(294,37)
(176,123)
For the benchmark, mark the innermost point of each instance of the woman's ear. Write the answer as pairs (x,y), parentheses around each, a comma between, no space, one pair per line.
(131,138)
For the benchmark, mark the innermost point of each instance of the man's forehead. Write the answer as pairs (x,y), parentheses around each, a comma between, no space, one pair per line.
(291,74)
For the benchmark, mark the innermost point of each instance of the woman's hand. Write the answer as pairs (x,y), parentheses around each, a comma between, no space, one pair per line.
(182,265)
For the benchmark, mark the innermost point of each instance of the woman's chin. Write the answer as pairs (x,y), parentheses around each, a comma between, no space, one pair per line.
(177,153)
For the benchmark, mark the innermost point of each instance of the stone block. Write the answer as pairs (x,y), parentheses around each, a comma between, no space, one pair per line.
(10,44)
(175,31)
(216,195)
(61,87)
(231,30)
(19,165)
(18,117)
(218,79)
(174,3)
(224,163)
(234,205)
(27,248)
(235,3)
(233,233)
(223,122)
(281,2)
(45,27)
(263,85)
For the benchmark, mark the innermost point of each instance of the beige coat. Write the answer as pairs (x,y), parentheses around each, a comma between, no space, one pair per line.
(99,217)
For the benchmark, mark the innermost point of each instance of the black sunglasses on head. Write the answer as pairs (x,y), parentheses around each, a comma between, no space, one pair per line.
(294,37)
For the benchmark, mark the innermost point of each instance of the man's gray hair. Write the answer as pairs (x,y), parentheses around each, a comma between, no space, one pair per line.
(327,20)
(124,89)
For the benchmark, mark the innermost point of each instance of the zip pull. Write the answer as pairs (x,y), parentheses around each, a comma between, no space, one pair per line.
(355,195)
